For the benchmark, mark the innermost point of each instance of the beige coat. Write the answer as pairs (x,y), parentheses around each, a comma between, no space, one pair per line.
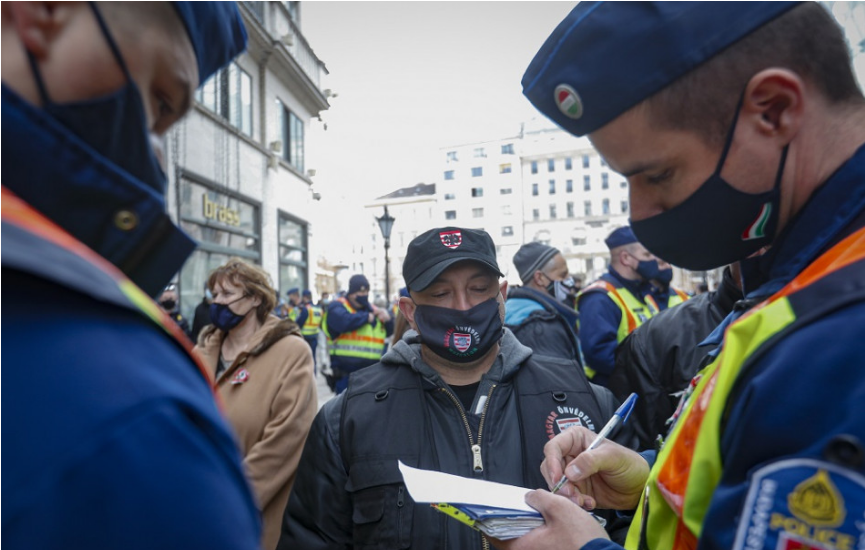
(269,397)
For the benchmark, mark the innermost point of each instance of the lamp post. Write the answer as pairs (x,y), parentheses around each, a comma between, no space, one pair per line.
(385,223)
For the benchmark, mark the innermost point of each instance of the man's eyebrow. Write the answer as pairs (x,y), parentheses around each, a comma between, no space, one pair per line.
(640,168)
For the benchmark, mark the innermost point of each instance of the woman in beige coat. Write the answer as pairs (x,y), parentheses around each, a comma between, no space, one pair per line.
(263,372)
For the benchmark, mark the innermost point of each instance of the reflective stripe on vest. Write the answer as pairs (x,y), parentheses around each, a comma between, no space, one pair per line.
(18,213)
(632,311)
(674,299)
(313,321)
(367,342)
(688,468)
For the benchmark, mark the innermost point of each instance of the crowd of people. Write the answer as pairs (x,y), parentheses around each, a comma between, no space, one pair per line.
(740,131)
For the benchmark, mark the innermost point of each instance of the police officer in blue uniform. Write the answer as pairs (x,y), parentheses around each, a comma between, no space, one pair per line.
(112,435)
(740,128)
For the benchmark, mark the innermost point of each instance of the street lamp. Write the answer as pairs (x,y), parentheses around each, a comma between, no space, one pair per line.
(385,223)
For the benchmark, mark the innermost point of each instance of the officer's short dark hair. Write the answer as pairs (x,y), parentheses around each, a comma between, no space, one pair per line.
(805,40)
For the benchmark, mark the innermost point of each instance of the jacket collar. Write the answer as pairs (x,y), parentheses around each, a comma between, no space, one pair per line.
(119,217)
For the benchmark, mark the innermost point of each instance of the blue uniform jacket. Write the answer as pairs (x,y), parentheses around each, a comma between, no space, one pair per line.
(339,321)
(112,435)
(599,325)
(808,390)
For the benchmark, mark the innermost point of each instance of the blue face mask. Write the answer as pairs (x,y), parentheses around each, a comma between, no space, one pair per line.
(665,276)
(115,125)
(223,318)
(648,270)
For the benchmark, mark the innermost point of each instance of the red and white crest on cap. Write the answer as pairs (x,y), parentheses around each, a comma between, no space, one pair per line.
(451,239)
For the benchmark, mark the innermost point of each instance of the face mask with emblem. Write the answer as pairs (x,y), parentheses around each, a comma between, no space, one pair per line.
(460,336)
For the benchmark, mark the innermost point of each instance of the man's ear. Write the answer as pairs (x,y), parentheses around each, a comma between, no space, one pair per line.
(536,278)
(503,288)
(37,23)
(407,307)
(773,103)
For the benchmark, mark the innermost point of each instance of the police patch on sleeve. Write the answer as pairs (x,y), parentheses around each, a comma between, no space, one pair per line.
(803,504)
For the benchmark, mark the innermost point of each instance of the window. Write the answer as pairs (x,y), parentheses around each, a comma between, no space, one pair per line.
(449,174)
(508,231)
(508,149)
(587,206)
(569,163)
(578,241)
(570,207)
(623,184)
(552,211)
(228,94)
(536,214)
(585,161)
(450,214)
(293,254)
(552,187)
(551,165)
(479,152)
(590,264)
(477,212)
(569,186)
(534,167)
(450,196)
(506,191)
(506,210)
(452,156)
(534,189)
(605,181)
(605,206)
(292,136)
(477,171)
(505,168)
(477,192)
(624,207)
(587,183)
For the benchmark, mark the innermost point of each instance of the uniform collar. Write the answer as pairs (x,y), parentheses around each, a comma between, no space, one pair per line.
(119,217)
(826,218)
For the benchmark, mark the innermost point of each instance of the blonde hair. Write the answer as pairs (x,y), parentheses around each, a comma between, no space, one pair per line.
(251,278)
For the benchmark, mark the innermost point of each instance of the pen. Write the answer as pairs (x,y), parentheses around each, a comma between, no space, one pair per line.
(619,417)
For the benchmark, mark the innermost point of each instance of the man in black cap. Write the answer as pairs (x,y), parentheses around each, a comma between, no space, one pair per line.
(113,438)
(458,393)
(740,128)
(538,312)
(356,331)
(616,304)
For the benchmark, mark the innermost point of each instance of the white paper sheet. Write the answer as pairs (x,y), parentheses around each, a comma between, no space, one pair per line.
(437,487)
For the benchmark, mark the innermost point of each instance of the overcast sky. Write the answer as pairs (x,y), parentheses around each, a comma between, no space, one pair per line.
(412,77)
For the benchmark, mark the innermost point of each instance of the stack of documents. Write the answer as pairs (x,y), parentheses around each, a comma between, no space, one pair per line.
(496,509)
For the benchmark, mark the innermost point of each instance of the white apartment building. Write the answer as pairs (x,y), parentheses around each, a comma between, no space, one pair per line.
(238,182)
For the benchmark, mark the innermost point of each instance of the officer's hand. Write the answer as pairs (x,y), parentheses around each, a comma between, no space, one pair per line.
(610,476)
(567,526)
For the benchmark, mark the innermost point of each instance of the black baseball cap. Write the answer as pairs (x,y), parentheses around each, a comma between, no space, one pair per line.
(437,249)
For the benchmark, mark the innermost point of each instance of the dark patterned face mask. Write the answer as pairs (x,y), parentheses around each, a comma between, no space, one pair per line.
(460,336)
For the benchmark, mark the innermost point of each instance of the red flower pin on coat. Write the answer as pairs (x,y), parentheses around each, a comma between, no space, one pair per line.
(241,377)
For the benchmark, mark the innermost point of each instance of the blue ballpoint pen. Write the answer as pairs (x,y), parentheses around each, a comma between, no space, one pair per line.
(619,417)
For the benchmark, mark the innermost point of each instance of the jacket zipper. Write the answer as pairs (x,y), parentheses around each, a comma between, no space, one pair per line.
(477,462)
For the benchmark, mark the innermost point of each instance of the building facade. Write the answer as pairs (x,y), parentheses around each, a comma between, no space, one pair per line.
(238,183)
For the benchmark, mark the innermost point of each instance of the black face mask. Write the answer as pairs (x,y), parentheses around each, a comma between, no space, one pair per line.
(168,305)
(115,125)
(460,336)
(717,225)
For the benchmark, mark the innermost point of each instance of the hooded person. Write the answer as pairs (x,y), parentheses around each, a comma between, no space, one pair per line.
(538,313)
(356,332)
(458,394)
(113,437)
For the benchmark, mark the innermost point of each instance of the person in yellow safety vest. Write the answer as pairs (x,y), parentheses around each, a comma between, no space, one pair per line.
(614,305)
(746,145)
(356,330)
(295,312)
(663,295)
(312,322)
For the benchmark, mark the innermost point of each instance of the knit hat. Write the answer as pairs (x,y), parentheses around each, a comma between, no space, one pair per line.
(357,283)
(532,257)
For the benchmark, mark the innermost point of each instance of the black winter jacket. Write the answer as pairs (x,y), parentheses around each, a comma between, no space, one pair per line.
(349,492)
(546,331)
(659,359)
